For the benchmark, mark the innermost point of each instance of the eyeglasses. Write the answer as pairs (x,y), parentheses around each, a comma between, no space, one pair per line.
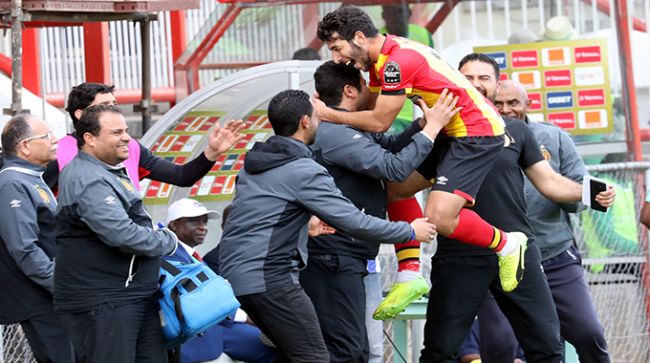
(46,136)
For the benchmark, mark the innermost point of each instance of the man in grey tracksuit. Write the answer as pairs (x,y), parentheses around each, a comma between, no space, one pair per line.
(264,245)
(359,162)
(108,259)
(27,232)
(561,260)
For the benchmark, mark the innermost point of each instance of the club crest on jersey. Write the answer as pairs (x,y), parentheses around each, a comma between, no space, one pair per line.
(392,73)
(42,193)
(545,153)
(127,184)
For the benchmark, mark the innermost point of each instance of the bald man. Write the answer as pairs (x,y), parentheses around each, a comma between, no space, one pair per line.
(553,233)
(27,232)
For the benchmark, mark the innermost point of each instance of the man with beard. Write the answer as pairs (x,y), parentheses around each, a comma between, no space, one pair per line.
(27,232)
(462,275)
(264,243)
(464,152)
(553,233)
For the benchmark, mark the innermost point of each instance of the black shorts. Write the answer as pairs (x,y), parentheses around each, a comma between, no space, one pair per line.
(459,165)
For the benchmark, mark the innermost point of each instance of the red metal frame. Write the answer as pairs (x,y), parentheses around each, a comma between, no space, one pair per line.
(32,61)
(441,15)
(123,96)
(179,42)
(186,68)
(603,6)
(96,53)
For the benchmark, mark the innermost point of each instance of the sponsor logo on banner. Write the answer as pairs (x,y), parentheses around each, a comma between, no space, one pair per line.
(565,120)
(592,119)
(556,56)
(244,141)
(590,76)
(230,162)
(165,190)
(218,184)
(591,97)
(535,101)
(206,183)
(562,99)
(503,76)
(217,165)
(558,78)
(500,58)
(191,143)
(536,117)
(587,54)
(524,58)
(179,143)
(530,79)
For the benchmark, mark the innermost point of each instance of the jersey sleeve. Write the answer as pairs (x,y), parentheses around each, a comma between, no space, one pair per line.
(530,151)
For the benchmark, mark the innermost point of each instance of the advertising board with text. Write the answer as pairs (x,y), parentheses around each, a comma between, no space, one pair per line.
(567,81)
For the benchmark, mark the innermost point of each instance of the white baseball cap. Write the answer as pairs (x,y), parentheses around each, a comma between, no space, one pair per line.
(188,208)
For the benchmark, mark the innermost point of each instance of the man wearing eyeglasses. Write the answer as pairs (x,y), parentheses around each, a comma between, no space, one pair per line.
(27,235)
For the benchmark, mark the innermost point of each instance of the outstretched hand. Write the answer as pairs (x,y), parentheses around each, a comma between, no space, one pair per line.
(439,115)
(222,139)
(316,227)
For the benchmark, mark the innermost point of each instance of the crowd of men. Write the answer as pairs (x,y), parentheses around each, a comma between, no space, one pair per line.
(81,255)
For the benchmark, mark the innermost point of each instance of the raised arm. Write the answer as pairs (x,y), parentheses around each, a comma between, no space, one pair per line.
(221,139)
(378,119)
(561,189)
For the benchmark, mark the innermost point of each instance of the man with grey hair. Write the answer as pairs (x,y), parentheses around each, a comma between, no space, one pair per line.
(27,232)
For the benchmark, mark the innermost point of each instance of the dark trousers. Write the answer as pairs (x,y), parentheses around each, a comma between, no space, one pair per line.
(48,339)
(578,320)
(128,333)
(334,283)
(287,317)
(459,286)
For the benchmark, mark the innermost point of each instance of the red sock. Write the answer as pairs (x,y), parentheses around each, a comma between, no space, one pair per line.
(408,254)
(473,230)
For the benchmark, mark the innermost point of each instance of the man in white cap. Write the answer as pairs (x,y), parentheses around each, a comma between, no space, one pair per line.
(188,218)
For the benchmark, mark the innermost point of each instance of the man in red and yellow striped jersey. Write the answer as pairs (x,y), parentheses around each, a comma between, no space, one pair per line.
(462,155)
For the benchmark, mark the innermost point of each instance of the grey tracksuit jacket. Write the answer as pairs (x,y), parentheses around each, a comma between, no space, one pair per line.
(550,221)
(360,162)
(108,249)
(264,245)
(27,246)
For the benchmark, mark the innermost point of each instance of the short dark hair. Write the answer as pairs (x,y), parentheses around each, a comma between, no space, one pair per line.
(83,95)
(16,129)
(345,21)
(306,54)
(89,121)
(481,57)
(330,79)
(286,109)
